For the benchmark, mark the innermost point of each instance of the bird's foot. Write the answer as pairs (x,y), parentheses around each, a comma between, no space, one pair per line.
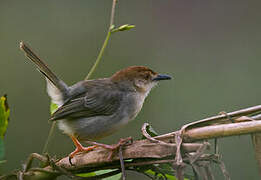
(114,147)
(80,149)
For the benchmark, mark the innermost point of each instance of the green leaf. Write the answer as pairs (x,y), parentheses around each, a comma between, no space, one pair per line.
(4,115)
(162,171)
(160,176)
(53,107)
(151,131)
(87,174)
(115,177)
(4,118)
(124,27)
(100,172)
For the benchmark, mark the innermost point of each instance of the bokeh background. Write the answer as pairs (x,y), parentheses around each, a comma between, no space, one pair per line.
(210,47)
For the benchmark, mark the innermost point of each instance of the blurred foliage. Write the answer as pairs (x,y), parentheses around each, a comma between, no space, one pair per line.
(4,118)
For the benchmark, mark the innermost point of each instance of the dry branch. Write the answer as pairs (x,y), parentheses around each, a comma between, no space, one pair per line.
(160,149)
(223,130)
(98,159)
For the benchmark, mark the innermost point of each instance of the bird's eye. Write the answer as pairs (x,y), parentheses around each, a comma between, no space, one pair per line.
(147,76)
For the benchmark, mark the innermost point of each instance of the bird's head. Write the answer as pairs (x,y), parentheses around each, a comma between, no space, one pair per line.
(141,78)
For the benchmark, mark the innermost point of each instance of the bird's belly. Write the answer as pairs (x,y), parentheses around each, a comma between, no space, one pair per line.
(92,128)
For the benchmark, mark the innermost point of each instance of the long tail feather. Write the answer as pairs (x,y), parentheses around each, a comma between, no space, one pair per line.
(43,68)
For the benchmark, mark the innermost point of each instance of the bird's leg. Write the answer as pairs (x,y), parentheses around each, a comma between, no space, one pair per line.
(79,148)
(114,147)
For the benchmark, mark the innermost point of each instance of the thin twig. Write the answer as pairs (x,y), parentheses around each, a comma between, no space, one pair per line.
(20,176)
(178,140)
(112,14)
(45,148)
(216,146)
(45,171)
(196,171)
(199,152)
(61,169)
(223,169)
(218,118)
(202,170)
(30,159)
(123,172)
(209,172)
(145,134)
(179,170)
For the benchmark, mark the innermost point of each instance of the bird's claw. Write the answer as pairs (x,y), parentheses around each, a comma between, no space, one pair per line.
(80,150)
(122,142)
(70,161)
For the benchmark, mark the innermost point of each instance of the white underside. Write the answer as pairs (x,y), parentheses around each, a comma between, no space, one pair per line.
(54,93)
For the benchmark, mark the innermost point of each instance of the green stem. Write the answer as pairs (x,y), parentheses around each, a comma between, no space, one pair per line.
(49,137)
(105,41)
(100,55)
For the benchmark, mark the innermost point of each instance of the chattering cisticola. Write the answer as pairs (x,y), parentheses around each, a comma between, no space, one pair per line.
(92,109)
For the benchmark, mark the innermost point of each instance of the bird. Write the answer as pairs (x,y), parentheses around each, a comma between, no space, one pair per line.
(92,109)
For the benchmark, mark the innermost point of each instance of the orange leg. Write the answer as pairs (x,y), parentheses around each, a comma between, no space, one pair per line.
(113,148)
(79,148)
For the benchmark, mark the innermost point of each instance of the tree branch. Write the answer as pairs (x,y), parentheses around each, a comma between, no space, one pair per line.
(159,149)
(223,130)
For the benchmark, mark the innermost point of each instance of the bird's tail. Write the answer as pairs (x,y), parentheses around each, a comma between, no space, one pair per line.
(42,67)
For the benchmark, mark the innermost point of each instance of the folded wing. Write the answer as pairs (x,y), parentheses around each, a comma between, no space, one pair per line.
(98,103)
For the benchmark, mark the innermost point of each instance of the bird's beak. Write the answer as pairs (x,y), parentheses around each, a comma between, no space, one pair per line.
(161,77)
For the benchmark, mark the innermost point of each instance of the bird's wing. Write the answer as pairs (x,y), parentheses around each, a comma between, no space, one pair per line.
(98,103)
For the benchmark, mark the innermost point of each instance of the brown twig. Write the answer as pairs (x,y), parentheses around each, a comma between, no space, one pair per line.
(112,14)
(145,134)
(30,159)
(123,172)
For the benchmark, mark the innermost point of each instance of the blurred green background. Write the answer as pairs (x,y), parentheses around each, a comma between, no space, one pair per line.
(210,47)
